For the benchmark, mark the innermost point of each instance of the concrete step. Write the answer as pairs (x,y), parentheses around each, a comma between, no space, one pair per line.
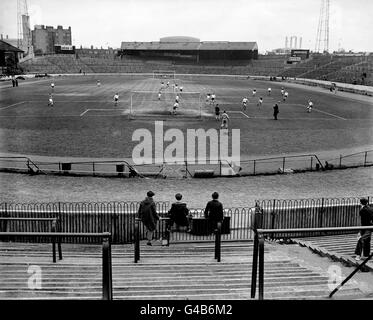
(180,273)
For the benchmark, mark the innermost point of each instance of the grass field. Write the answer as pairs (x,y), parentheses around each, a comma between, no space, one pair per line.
(85,123)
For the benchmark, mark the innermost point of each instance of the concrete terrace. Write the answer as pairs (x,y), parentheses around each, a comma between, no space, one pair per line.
(180,271)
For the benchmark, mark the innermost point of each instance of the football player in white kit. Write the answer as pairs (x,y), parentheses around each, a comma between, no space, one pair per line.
(244,103)
(208,97)
(116,98)
(269,91)
(50,101)
(213,98)
(260,102)
(174,109)
(310,105)
(285,96)
(224,120)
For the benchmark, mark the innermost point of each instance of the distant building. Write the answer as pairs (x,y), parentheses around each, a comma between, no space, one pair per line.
(180,47)
(9,58)
(45,38)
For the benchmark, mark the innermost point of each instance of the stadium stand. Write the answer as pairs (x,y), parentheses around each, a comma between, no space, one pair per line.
(181,271)
(348,69)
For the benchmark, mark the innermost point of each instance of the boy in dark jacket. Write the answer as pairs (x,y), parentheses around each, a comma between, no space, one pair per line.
(363,244)
(148,215)
(214,211)
(179,213)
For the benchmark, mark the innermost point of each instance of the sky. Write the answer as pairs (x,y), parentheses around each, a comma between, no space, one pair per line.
(267,22)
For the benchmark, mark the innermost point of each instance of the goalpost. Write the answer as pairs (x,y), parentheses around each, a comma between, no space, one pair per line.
(149,104)
(164,74)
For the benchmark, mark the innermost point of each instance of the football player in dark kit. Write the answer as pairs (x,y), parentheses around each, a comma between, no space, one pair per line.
(275,111)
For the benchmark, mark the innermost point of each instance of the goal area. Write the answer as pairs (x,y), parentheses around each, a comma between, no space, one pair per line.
(150,104)
(163,74)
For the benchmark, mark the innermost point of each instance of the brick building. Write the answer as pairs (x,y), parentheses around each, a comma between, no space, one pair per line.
(44,38)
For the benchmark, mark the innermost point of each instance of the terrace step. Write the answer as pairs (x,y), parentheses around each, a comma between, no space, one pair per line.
(189,273)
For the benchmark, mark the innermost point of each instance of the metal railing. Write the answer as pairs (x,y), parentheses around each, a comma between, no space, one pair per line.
(258,252)
(107,282)
(359,159)
(166,236)
(54,229)
(185,169)
(78,217)
(359,267)
(307,213)
(118,218)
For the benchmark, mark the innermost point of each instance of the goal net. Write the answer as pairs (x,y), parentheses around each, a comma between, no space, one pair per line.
(164,74)
(150,103)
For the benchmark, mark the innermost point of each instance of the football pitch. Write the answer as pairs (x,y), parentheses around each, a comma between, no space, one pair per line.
(85,121)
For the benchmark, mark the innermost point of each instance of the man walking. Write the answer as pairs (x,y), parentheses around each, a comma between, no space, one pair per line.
(214,211)
(275,111)
(148,214)
(363,244)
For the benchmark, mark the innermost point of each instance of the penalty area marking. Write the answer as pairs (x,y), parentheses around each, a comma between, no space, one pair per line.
(240,113)
(330,114)
(83,113)
(12,105)
(317,110)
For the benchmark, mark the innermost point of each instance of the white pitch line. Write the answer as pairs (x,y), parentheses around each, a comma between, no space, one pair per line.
(330,114)
(82,114)
(317,110)
(12,105)
(240,112)
(245,114)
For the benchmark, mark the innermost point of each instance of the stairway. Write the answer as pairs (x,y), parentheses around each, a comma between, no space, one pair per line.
(180,271)
(338,247)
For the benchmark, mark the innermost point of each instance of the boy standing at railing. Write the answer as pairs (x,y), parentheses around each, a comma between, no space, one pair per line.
(148,214)
(364,238)
(179,214)
(214,211)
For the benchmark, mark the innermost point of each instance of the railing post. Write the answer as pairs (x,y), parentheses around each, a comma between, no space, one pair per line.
(254,167)
(54,241)
(261,267)
(6,225)
(340,161)
(273,216)
(283,165)
(137,240)
(254,265)
(107,292)
(321,213)
(93,168)
(365,158)
(218,242)
(59,239)
(311,163)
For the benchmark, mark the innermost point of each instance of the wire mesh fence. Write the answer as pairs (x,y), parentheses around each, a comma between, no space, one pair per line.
(187,168)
